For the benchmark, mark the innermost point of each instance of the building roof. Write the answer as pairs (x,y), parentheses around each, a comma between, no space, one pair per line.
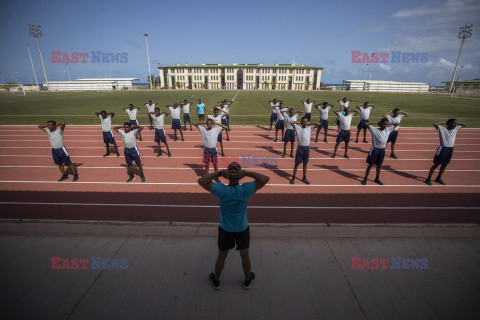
(106,79)
(250,65)
(382,82)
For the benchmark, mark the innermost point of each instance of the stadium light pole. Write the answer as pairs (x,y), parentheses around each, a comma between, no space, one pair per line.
(35,31)
(31,61)
(148,58)
(68,72)
(464,33)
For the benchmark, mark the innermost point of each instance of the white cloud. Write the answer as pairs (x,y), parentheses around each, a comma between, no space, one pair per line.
(444,63)
(385,67)
(420,11)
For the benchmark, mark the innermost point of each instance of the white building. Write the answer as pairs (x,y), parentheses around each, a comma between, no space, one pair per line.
(92,84)
(385,86)
(240,76)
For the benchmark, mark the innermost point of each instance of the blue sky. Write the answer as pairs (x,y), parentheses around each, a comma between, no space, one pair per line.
(318,33)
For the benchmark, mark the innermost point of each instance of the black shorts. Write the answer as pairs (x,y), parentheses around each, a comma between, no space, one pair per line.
(227,240)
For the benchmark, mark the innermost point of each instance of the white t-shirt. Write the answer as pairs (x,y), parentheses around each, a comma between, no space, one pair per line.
(380,137)
(289,119)
(308,107)
(324,112)
(345,104)
(225,108)
(186,108)
(396,119)
(365,113)
(106,123)
(217,119)
(447,137)
(132,113)
(158,121)
(210,137)
(345,121)
(150,107)
(303,135)
(175,112)
(129,138)
(56,138)
(274,105)
(279,113)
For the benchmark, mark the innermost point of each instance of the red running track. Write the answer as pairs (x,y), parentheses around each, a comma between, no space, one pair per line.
(29,189)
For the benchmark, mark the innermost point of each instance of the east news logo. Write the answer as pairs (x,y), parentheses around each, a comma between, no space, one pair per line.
(59,263)
(397,263)
(93,57)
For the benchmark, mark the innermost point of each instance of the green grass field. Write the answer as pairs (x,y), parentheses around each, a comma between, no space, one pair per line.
(250,107)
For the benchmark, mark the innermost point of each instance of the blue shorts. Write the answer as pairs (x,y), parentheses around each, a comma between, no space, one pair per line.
(131,154)
(343,135)
(60,156)
(273,117)
(134,122)
(323,124)
(160,135)
(150,118)
(361,124)
(210,154)
(337,122)
(219,139)
(289,135)
(228,118)
(224,122)
(302,155)
(279,125)
(176,124)
(375,156)
(308,115)
(108,138)
(392,137)
(443,155)
(186,117)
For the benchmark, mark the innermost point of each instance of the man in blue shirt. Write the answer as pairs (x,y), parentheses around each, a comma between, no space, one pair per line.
(201,110)
(233,227)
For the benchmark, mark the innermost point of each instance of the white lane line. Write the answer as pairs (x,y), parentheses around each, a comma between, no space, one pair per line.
(257,168)
(370,185)
(236,96)
(217,206)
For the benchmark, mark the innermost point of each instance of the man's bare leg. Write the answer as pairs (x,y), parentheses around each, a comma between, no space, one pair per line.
(220,263)
(246,264)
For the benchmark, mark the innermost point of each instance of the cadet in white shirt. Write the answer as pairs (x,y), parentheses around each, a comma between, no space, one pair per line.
(176,124)
(273,115)
(106,120)
(158,118)
(186,113)
(217,117)
(323,108)
(210,131)
(445,151)
(397,116)
(280,124)
(132,111)
(290,133)
(308,108)
(225,106)
(59,152)
(302,155)
(150,109)
(377,152)
(365,110)
(129,137)
(344,103)
(344,133)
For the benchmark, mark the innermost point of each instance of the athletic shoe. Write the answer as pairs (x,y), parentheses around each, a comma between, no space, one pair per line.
(247,284)
(292,181)
(275,140)
(141,139)
(106,154)
(64,177)
(316,140)
(229,130)
(75,178)
(291,155)
(439,180)
(159,154)
(378,181)
(118,154)
(175,139)
(325,140)
(183,139)
(228,139)
(365,141)
(170,155)
(364,182)
(217,180)
(131,178)
(143,178)
(428,181)
(393,156)
(333,157)
(304,180)
(222,154)
(346,156)
(283,155)
(356,141)
(215,283)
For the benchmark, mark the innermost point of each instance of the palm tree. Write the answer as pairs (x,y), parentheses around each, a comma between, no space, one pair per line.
(308,84)
(178,85)
(274,85)
(266,84)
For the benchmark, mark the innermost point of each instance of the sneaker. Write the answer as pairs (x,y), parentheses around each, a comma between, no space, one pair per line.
(378,181)
(215,283)
(118,154)
(141,139)
(229,129)
(365,141)
(283,155)
(325,140)
(356,141)
(333,157)
(131,178)
(64,177)
(364,182)
(222,154)
(428,181)
(304,180)
(316,140)
(143,178)
(393,156)
(159,154)
(439,180)
(247,284)
(106,154)
(175,139)
(170,155)
(275,140)
(292,181)
(183,139)
(75,178)
(228,139)
(346,156)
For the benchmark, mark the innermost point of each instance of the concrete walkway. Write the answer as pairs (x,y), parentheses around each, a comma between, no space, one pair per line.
(303,272)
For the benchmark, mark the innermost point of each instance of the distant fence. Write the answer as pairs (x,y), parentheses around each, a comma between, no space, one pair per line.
(466,93)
